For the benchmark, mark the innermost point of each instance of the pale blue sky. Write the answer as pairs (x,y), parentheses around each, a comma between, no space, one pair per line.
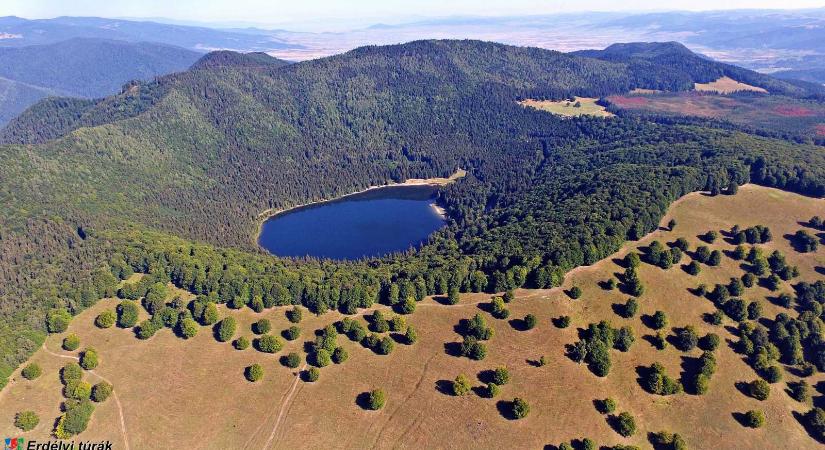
(280,11)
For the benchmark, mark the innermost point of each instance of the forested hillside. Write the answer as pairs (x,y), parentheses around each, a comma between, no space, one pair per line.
(672,66)
(166,176)
(81,67)
(14,94)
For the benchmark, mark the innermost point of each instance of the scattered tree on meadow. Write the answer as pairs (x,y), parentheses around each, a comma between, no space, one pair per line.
(254,372)
(772,374)
(659,341)
(398,324)
(815,419)
(127,314)
(89,358)
(291,333)
(656,381)
(693,268)
(262,326)
(497,308)
(57,320)
(759,389)
(668,441)
(461,385)
(379,323)
(575,292)
(799,391)
(295,314)
(339,355)
(31,371)
(686,338)
(385,346)
(226,329)
(754,418)
(501,376)
(269,344)
(311,375)
(710,237)
(709,342)
(71,372)
(105,319)
(242,343)
(376,399)
(101,391)
(625,424)
(805,242)
(292,360)
(714,258)
(410,336)
(659,320)
(624,339)
(26,420)
(605,406)
(75,420)
(187,328)
(702,254)
(520,408)
(71,342)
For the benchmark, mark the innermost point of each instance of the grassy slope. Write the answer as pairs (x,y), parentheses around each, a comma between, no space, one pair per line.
(180,378)
(588,107)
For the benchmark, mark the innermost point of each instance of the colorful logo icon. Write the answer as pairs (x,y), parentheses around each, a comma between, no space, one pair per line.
(14,444)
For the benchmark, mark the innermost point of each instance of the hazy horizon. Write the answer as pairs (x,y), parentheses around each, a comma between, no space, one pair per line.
(327,15)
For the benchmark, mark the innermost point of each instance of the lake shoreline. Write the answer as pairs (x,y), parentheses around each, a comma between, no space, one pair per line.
(412,182)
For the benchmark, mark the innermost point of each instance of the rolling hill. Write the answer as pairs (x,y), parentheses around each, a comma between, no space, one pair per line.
(81,67)
(169,177)
(19,32)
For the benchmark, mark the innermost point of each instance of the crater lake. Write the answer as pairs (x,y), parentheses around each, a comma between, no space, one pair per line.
(367,224)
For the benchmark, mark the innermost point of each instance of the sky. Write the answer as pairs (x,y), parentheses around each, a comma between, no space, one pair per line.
(308,11)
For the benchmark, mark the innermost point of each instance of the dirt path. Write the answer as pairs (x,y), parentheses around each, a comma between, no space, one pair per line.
(114,394)
(404,402)
(284,406)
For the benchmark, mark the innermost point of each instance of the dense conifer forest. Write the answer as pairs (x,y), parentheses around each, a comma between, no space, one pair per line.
(170,177)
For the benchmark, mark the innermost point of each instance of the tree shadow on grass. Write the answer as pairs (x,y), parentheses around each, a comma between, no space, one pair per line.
(518,324)
(486,376)
(445,387)
(690,370)
(651,339)
(741,418)
(363,401)
(505,408)
(647,320)
(800,417)
(453,348)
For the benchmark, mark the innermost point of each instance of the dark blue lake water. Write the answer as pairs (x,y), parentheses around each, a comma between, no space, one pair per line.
(370,224)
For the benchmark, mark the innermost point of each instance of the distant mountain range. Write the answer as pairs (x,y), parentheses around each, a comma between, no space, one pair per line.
(92,57)
(18,32)
(81,67)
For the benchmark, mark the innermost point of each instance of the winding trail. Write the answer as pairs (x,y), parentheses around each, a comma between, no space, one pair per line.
(114,394)
(284,406)
(404,402)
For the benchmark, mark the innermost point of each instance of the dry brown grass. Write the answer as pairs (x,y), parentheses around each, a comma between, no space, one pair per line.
(588,107)
(726,85)
(192,394)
